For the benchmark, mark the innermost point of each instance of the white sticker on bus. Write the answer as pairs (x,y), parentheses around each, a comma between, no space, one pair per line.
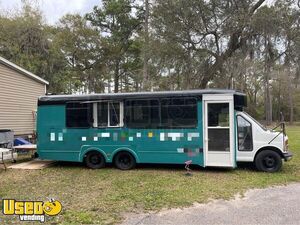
(175,136)
(52,136)
(60,137)
(105,134)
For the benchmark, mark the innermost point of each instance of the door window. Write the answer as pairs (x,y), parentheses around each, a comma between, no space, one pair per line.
(218,127)
(218,115)
(244,134)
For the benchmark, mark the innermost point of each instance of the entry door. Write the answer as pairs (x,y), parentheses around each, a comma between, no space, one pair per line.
(218,130)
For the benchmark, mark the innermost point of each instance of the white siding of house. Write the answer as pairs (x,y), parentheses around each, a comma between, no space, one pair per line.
(18,100)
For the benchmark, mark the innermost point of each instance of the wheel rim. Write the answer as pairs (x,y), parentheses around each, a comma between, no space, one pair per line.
(125,161)
(95,159)
(269,162)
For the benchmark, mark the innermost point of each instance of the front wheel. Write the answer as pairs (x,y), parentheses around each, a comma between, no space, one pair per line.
(268,161)
(95,160)
(124,161)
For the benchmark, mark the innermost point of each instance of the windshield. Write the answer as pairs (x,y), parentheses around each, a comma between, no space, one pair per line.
(258,123)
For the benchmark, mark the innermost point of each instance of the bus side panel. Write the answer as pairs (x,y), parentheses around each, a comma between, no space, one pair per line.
(56,142)
(52,142)
(172,145)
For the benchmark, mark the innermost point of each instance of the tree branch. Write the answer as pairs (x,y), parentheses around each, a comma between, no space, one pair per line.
(255,7)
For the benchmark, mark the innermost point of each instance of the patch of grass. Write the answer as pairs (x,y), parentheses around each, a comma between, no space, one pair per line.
(101,196)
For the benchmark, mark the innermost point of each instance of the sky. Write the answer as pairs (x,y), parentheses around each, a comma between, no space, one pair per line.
(53,10)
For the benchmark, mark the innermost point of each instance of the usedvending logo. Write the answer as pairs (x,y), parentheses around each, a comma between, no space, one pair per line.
(31,210)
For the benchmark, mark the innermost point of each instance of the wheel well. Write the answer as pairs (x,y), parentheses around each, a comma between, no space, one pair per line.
(269,148)
(114,157)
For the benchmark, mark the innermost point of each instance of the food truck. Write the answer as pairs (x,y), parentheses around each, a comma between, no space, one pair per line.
(206,127)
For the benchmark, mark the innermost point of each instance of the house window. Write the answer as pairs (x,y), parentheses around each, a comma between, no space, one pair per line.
(79,115)
(244,134)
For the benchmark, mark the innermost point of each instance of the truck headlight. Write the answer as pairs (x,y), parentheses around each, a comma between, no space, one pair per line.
(286,144)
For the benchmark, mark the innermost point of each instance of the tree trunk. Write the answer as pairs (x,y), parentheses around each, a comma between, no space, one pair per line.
(116,76)
(268,61)
(290,99)
(279,113)
(136,86)
(290,88)
(187,83)
(146,81)
(268,101)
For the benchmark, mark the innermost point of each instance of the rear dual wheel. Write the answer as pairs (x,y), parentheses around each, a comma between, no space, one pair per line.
(124,161)
(94,160)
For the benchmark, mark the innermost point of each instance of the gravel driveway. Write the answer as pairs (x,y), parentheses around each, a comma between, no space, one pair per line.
(275,205)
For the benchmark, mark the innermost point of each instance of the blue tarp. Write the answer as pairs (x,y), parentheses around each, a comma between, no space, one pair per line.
(21,141)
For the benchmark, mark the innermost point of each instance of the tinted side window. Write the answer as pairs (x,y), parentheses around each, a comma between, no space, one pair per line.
(179,113)
(142,113)
(114,113)
(244,134)
(102,114)
(78,115)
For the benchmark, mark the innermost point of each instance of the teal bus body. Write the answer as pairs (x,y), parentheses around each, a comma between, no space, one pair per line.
(170,146)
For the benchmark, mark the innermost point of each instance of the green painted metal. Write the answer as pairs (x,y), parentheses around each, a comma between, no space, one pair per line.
(147,145)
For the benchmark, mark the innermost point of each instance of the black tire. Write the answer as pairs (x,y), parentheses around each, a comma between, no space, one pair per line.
(268,161)
(94,160)
(124,161)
